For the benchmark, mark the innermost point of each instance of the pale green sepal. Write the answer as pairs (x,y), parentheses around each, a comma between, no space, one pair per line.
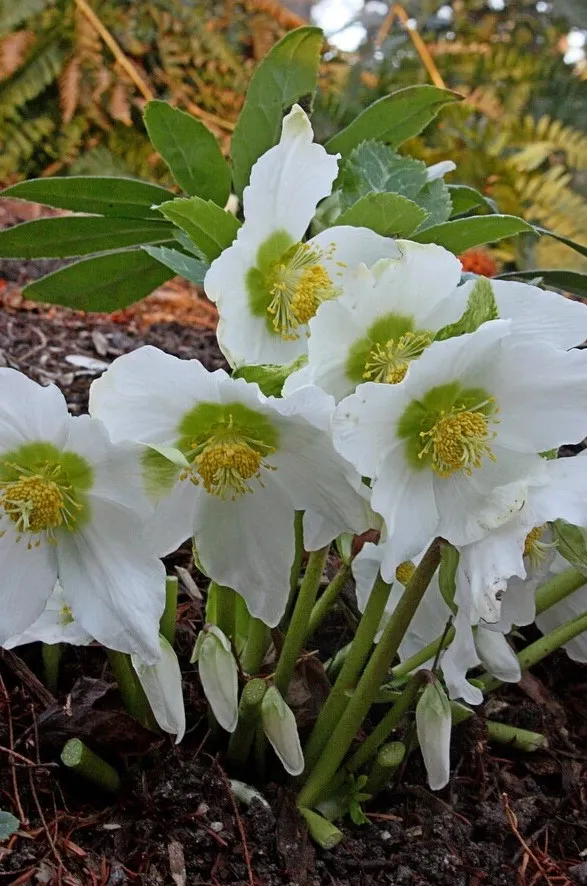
(270,378)
(280,727)
(218,674)
(571,543)
(171,454)
(433,722)
(481,307)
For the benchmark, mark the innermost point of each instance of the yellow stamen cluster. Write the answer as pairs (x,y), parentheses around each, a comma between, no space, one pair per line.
(404,572)
(227,466)
(298,285)
(536,549)
(34,504)
(389,363)
(458,441)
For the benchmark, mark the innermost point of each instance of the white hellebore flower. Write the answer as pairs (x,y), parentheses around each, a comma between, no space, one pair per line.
(387,316)
(218,675)
(269,283)
(162,685)
(450,449)
(244,463)
(55,625)
(71,508)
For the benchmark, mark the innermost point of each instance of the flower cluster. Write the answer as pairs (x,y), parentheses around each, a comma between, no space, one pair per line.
(371,389)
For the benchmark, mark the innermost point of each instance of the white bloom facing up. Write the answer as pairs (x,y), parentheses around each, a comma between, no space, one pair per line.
(241,465)
(269,283)
(385,318)
(72,508)
(453,448)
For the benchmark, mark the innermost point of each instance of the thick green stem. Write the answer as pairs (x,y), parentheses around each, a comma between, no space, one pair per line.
(225,608)
(131,691)
(79,758)
(521,739)
(322,831)
(373,675)
(169,617)
(424,655)
(51,659)
(249,711)
(354,663)
(389,757)
(323,606)
(258,639)
(298,626)
(386,725)
(296,566)
(558,587)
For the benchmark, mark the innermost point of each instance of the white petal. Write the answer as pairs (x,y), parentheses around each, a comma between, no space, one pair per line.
(30,411)
(433,723)
(287,183)
(460,657)
(219,676)
(248,545)
(565,496)
(113,584)
(54,625)
(497,656)
(347,247)
(486,566)
(571,607)
(280,727)
(518,606)
(161,684)
(540,392)
(144,395)
(365,568)
(439,170)
(364,424)
(28,579)
(172,521)
(540,315)
(428,624)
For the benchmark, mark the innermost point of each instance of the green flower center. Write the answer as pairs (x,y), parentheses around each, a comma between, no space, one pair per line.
(37,494)
(389,362)
(449,429)
(298,284)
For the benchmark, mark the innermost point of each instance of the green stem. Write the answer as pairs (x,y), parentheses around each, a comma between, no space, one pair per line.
(354,663)
(51,659)
(133,697)
(389,757)
(386,725)
(557,588)
(373,675)
(257,642)
(169,617)
(296,566)
(249,711)
(328,598)
(225,608)
(298,626)
(521,739)
(260,751)
(424,655)
(322,831)
(76,756)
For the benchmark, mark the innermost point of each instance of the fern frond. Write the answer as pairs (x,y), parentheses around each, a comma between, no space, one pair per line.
(545,137)
(13,12)
(39,70)
(69,88)
(13,50)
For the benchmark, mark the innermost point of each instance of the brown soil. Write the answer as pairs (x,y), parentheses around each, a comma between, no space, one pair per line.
(506,819)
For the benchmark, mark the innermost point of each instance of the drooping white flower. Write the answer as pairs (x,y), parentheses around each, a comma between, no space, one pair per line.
(453,448)
(55,625)
(72,508)
(388,315)
(269,283)
(241,465)
(218,675)
(433,724)
(280,727)
(162,685)
(385,318)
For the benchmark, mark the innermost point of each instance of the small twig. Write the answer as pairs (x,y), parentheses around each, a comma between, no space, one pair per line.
(513,823)
(239,824)
(17,802)
(51,840)
(20,669)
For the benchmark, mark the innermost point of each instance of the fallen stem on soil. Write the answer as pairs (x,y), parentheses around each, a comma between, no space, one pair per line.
(84,762)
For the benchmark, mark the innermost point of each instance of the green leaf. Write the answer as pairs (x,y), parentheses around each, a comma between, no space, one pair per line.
(481,307)
(387,214)
(8,824)
(286,75)
(190,151)
(435,199)
(393,119)
(565,281)
(571,542)
(373,166)
(270,378)
(447,574)
(103,195)
(578,247)
(65,237)
(464,199)
(102,283)
(463,233)
(211,228)
(186,266)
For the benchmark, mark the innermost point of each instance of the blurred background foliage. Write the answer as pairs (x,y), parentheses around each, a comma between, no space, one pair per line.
(75,75)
